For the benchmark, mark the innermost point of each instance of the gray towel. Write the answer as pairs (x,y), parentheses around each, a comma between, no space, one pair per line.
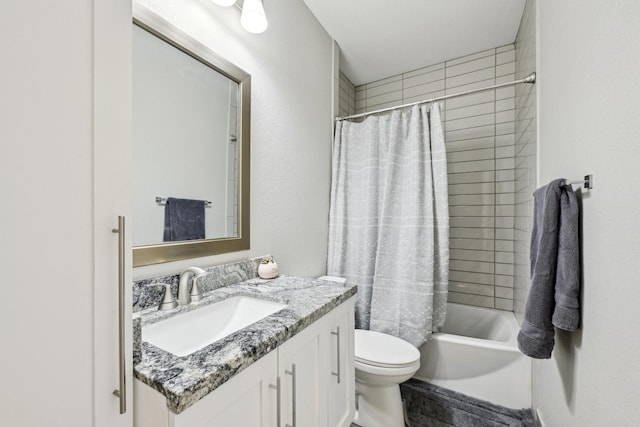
(553,297)
(183,220)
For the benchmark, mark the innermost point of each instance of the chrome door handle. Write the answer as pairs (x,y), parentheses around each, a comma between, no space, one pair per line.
(278,396)
(292,372)
(337,334)
(122,391)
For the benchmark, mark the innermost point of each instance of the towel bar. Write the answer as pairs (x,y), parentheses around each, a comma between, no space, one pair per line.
(163,200)
(587,182)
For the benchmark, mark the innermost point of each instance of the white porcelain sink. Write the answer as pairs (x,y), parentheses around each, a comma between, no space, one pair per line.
(185,333)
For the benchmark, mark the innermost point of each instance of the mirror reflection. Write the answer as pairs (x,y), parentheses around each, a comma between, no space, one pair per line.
(191,144)
(185,151)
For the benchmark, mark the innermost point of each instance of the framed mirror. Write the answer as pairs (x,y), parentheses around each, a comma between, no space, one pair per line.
(191,121)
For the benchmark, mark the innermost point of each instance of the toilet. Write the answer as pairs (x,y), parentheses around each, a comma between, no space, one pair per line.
(382,362)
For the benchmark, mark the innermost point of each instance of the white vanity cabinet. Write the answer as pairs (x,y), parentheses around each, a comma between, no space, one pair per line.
(341,388)
(305,367)
(302,363)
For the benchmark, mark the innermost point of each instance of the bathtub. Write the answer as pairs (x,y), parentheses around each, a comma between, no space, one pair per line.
(476,354)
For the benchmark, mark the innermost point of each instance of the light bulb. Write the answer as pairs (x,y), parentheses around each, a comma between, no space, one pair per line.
(253,18)
(224,3)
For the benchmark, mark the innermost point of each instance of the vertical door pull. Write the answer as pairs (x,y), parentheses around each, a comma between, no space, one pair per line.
(122,391)
(278,396)
(292,372)
(337,334)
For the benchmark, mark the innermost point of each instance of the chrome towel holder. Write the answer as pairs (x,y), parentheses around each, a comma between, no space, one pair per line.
(587,182)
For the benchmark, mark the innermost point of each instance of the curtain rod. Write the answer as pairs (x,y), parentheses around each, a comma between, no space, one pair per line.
(531,78)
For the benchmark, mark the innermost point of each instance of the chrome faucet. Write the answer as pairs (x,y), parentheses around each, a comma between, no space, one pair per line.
(184,296)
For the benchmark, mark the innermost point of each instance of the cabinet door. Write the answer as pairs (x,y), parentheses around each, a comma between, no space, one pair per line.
(341,375)
(246,400)
(112,189)
(302,366)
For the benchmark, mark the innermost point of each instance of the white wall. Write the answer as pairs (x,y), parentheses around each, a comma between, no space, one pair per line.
(525,153)
(291,127)
(589,122)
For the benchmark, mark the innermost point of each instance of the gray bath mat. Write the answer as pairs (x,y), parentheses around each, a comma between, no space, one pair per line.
(432,406)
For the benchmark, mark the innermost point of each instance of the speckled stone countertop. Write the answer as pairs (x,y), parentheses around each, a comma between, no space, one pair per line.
(185,380)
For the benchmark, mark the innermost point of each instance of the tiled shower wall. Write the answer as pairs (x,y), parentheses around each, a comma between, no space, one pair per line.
(347,97)
(480,140)
(525,166)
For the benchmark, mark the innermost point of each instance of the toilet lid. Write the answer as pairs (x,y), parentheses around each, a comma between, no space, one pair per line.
(378,349)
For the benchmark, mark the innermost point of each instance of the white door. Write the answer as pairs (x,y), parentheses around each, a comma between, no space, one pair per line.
(301,367)
(112,198)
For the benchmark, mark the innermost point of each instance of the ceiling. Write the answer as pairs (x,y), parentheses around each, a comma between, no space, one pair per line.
(382,38)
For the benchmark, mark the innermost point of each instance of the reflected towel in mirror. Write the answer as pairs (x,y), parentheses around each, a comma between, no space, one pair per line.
(183,219)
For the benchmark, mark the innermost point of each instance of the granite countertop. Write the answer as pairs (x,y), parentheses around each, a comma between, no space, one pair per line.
(185,380)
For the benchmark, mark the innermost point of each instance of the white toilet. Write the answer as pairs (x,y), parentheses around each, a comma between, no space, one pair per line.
(382,362)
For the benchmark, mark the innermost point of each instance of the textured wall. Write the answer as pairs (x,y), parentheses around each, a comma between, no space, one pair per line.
(480,138)
(291,128)
(588,90)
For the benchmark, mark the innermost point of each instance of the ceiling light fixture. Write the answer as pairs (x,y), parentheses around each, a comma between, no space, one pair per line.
(225,3)
(253,18)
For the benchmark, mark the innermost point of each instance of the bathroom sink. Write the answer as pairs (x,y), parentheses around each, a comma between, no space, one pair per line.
(185,333)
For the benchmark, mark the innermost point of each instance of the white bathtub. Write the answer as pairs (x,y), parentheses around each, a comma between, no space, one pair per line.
(477,354)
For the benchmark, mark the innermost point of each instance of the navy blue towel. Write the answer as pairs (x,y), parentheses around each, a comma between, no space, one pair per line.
(183,220)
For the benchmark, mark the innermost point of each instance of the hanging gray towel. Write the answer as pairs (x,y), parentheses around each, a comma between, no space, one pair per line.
(553,296)
(183,220)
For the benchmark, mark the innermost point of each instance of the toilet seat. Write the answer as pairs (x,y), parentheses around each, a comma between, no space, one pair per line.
(376,349)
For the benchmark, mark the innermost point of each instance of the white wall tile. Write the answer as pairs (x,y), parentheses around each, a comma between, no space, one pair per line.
(468,277)
(470,144)
(425,70)
(383,81)
(504,304)
(475,166)
(456,61)
(504,57)
(471,78)
(477,300)
(472,266)
(470,111)
(472,221)
(504,281)
(476,188)
(473,210)
(508,68)
(505,48)
(472,244)
(470,66)
(464,101)
(472,288)
(472,199)
(471,255)
(471,233)
(471,177)
(481,156)
(501,292)
(471,133)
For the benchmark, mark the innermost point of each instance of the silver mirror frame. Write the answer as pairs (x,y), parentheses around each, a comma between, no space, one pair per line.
(166,252)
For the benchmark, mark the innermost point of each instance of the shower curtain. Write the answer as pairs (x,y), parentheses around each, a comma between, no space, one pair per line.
(389,220)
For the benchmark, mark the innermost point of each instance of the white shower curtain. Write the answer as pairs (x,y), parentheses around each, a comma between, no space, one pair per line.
(389,220)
